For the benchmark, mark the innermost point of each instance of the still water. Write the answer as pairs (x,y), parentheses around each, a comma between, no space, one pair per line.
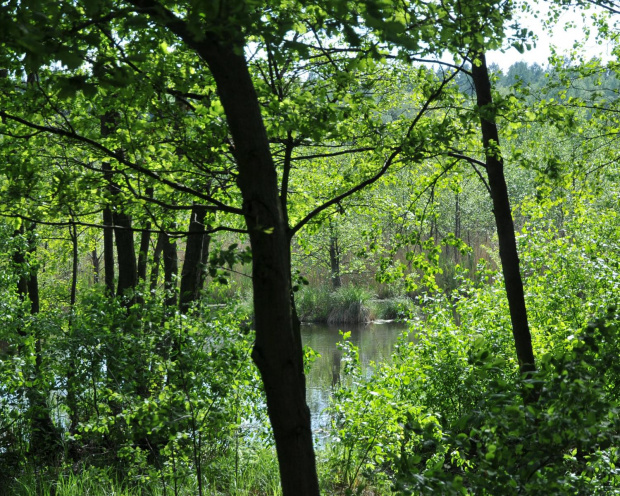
(375,343)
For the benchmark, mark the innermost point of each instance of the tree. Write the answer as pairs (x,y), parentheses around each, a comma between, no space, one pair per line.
(95,54)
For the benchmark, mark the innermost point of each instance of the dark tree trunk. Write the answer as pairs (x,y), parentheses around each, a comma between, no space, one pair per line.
(190,275)
(126,256)
(434,231)
(145,241)
(334,260)
(503,217)
(108,218)
(108,250)
(277,349)
(123,232)
(94,256)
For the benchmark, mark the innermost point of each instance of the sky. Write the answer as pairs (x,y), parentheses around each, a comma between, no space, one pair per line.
(562,39)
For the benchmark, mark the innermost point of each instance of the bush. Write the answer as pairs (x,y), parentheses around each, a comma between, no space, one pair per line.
(448,416)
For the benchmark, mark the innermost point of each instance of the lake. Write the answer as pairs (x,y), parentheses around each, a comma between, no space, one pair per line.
(375,343)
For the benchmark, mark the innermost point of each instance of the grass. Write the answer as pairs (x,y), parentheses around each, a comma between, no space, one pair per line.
(254,472)
(349,305)
(346,305)
(400,307)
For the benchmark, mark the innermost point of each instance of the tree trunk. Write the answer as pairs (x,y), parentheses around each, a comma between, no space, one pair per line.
(503,217)
(108,249)
(94,256)
(190,275)
(126,256)
(171,271)
(334,261)
(277,350)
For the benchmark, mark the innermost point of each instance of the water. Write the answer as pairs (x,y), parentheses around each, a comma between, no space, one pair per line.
(375,343)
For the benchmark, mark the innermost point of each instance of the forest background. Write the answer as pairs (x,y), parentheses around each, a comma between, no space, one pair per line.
(183,182)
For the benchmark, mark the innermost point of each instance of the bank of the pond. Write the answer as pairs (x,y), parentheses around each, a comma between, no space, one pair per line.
(349,305)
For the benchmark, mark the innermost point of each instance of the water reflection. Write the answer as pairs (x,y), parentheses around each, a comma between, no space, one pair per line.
(375,343)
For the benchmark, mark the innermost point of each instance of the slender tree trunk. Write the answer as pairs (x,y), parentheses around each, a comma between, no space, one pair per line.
(145,241)
(171,271)
(434,232)
(108,218)
(503,217)
(108,249)
(94,256)
(123,232)
(334,260)
(277,350)
(190,275)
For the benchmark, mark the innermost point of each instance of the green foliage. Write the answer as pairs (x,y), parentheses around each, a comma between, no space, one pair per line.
(162,400)
(447,415)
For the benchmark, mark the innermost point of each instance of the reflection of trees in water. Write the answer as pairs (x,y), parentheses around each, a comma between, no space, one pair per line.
(374,341)
(336,359)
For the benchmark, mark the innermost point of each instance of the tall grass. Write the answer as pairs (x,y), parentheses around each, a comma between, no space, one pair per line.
(400,307)
(350,305)
(254,471)
(312,303)
(347,305)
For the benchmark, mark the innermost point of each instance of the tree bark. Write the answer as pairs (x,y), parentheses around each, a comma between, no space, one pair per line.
(126,256)
(334,261)
(277,351)
(503,217)
(108,248)
(190,275)
(72,383)
(94,256)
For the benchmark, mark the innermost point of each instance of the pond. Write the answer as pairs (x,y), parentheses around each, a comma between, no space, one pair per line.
(375,343)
